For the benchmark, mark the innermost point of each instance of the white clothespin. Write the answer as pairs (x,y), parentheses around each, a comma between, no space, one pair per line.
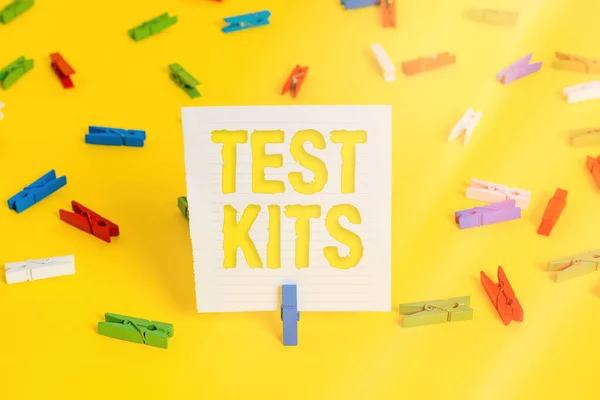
(466,124)
(583,92)
(1,105)
(32,270)
(389,71)
(493,193)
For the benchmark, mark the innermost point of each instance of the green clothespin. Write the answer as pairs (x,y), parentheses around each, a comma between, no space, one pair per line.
(14,71)
(183,206)
(14,9)
(152,27)
(136,330)
(574,266)
(436,311)
(184,80)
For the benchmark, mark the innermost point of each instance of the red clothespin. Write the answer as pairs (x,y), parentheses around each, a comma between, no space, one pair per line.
(295,81)
(62,70)
(555,207)
(388,13)
(503,297)
(593,165)
(88,221)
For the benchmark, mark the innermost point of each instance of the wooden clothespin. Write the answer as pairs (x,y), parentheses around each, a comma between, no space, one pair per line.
(32,270)
(246,21)
(136,330)
(184,80)
(582,92)
(428,63)
(593,165)
(569,62)
(388,13)
(386,64)
(436,311)
(585,137)
(290,314)
(503,297)
(14,9)
(465,125)
(352,4)
(115,136)
(574,266)
(14,71)
(152,27)
(88,221)
(36,192)
(493,192)
(555,207)
(182,203)
(490,214)
(294,82)
(62,69)
(495,17)
(517,70)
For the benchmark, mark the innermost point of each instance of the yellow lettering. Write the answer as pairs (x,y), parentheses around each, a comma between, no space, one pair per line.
(303,214)
(238,235)
(274,243)
(229,139)
(344,236)
(262,160)
(308,161)
(348,139)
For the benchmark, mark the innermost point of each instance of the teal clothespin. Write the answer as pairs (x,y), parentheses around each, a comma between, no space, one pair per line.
(436,311)
(14,71)
(136,330)
(152,27)
(183,206)
(184,80)
(14,9)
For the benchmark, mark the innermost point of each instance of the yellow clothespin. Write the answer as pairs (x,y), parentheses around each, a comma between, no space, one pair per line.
(574,266)
(496,17)
(436,311)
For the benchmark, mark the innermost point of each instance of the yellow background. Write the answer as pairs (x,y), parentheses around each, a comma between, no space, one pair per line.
(49,344)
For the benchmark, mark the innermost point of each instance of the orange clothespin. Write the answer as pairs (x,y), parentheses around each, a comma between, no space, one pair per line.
(422,64)
(295,81)
(62,70)
(555,207)
(88,221)
(503,297)
(593,165)
(388,13)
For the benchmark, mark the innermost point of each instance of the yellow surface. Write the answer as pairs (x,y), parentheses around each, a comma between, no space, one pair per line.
(50,348)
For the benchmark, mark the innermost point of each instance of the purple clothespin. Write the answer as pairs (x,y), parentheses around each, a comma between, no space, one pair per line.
(486,215)
(518,70)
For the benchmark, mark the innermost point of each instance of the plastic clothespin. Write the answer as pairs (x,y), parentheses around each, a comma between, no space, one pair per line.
(36,192)
(32,270)
(517,70)
(553,211)
(88,221)
(388,13)
(14,71)
(115,137)
(352,4)
(294,82)
(136,330)
(503,297)
(184,80)
(246,21)
(290,314)
(436,311)
(62,69)
(14,9)
(182,203)
(152,27)
(574,266)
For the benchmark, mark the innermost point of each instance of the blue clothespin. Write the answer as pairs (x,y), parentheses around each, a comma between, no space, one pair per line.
(351,4)
(115,137)
(246,21)
(36,192)
(289,314)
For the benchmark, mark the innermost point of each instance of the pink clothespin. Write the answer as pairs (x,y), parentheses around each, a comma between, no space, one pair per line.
(486,215)
(518,70)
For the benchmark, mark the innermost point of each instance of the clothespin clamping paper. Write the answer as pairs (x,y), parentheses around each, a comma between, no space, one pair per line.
(583,92)
(14,71)
(436,311)
(568,62)
(555,207)
(136,330)
(593,165)
(115,136)
(294,82)
(388,13)
(184,80)
(152,27)
(14,9)
(518,70)
(88,221)
(182,203)
(62,70)
(36,192)
(246,21)
(495,17)
(574,266)
(428,63)
(290,314)
(585,137)
(503,297)
(389,70)
(492,192)
(352,4)
(32,270)
(465,125)
(487,215)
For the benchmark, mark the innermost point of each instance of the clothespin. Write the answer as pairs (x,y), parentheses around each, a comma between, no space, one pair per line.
(152,27)
(14,71)
(431,312)
(88,221)
(62,70)
(389,70)
(32,270)
(36,192)
(495,17)
(574,266)
(246,21)
(518,70)
(503,297)
(136,330)
(555,207)
(184,80)
(585,137)
(115,136)
(493,192)
(423,64)
(352,4)
(14,9)
(294,82)
(487,215)
(568,62)
(1,107)
(182,203)
(289,314)
(593,165)
(388,13)
(583,92)
(465,125)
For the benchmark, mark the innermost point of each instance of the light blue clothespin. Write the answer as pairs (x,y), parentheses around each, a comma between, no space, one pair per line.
(246,21)
(289,314)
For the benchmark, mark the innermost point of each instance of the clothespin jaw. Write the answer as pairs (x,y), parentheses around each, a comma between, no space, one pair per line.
(593,165)
(495,17)
(465,125)
(152,27)
(32,270)
(503,297)
(62,69)
(555,207)
(428,63)
(14,9)
(14,71)
(572,63)
(294,82)
(290,314)
(36,192)
(115,136)
(352,4)
(184,80)
(136,330)
(182,203)
(487,215)
(388,13)
(246,21)
(88,221)
(574,266)
(436,311)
